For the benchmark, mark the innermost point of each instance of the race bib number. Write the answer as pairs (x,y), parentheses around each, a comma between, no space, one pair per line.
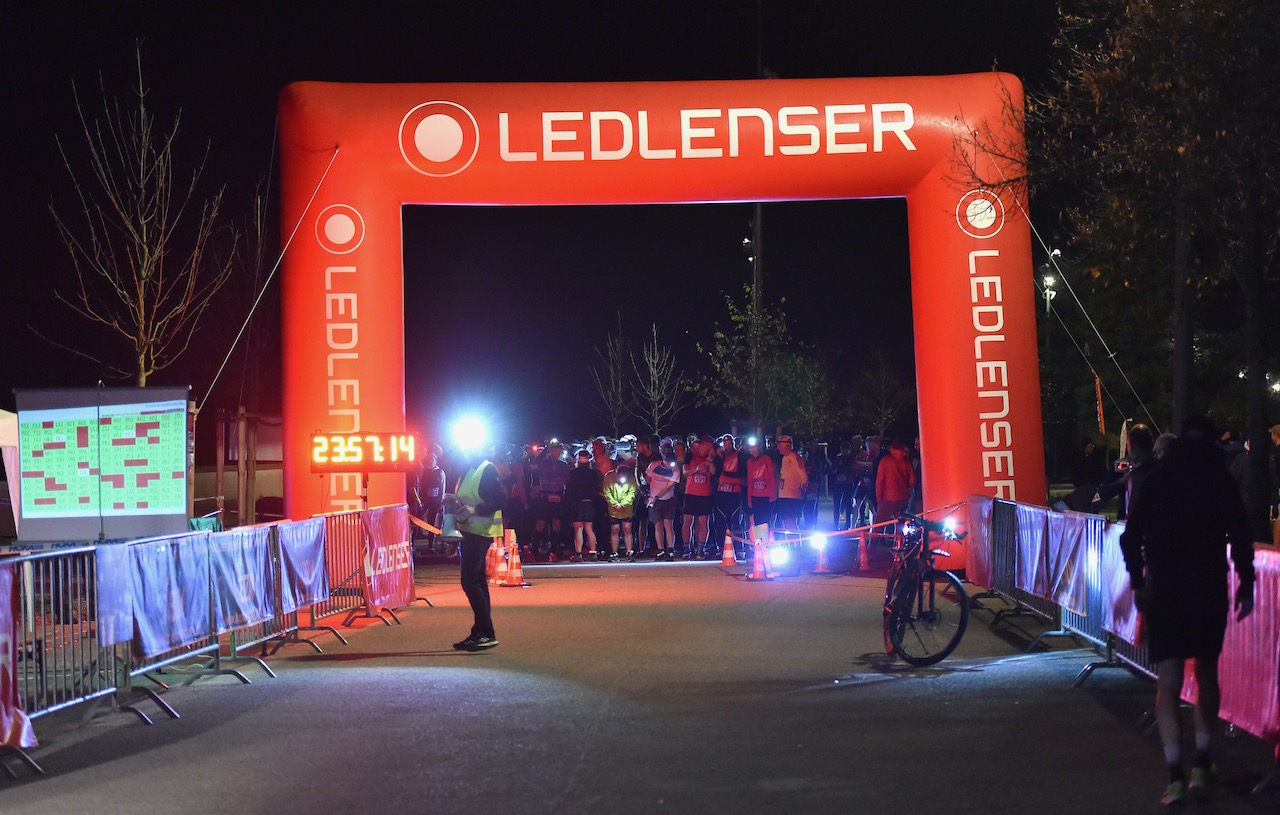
(758,484)
(553,498)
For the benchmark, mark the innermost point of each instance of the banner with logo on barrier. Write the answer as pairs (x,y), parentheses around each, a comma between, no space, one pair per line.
(303,577)
(240,563)
(170,589)
(388,557)
(15,727)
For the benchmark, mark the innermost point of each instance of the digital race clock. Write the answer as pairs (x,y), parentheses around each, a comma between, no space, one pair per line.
(363,452)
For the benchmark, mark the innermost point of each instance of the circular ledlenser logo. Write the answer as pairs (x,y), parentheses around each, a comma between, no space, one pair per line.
(439,138)
(980,214)
(339,229)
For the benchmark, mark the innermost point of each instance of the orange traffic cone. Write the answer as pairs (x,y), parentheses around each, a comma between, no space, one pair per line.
(503,568)
(515,572)
(491,560)
(759,563)
(727,558)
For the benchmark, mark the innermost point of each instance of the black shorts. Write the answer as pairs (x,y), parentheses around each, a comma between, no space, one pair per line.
(787,508)
(697,504)
(584,511)
(1187,619)
(761,510)
(663,510)
(548,507)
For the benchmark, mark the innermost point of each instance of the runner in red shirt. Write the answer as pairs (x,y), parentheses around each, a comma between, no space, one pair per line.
(699,474)
(728,517)
(762,484)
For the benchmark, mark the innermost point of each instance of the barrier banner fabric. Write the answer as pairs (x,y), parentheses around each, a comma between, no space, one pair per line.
(1030,576)
(1065,556)
(388,557)
(240,561)
(15,727)
(977,566)
(303,578)
(115,601)
(1249,670)
(170,587)
(1120,615)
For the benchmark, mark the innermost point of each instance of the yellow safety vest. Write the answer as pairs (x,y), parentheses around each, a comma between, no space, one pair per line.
(486,526)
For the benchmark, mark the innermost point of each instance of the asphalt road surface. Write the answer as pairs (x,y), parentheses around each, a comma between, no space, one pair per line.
(637,688)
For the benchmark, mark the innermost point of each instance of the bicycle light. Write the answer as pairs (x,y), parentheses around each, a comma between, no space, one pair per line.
(778,555)
(819,541)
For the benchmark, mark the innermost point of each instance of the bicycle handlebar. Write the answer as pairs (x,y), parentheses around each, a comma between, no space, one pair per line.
(936,527)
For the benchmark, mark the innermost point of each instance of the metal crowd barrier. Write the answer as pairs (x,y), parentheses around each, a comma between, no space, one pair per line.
(1087,626)
(281,627)
(197,658)
(60,662)
(344,559)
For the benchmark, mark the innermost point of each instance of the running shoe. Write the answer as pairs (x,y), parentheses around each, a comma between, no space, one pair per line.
(1203,779)
(1175,793)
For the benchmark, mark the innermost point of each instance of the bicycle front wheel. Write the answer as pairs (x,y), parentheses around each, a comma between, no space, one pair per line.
(926,626)
(890,592)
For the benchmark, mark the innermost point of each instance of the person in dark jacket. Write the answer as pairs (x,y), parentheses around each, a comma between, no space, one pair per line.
(581,494)
(1181,517)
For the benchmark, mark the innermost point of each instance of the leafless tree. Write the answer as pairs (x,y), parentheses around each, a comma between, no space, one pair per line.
(880,393)
(612,381)
(140,247)
(661,390)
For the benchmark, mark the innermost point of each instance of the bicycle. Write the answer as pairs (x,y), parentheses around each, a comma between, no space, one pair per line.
(926,609)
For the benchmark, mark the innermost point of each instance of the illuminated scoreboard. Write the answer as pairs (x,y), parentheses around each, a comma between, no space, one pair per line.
(103,463)
(363,452)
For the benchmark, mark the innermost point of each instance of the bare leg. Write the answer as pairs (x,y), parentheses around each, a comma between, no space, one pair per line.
(1169,674)
(1208,700)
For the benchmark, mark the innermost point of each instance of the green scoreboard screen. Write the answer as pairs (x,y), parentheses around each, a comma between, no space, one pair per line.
(102,463)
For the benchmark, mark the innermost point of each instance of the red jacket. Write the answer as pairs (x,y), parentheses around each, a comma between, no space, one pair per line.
(895,478)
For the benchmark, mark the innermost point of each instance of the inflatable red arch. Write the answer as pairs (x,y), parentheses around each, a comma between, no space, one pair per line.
(353,154)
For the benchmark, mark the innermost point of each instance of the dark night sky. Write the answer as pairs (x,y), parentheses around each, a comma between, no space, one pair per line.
(560,275)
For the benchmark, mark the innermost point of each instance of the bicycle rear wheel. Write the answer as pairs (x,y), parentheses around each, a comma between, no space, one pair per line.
(925,628)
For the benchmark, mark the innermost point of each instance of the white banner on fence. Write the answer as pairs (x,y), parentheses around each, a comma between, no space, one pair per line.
(1031,574)
(1120,616)
(1065,560)
(303,577)
(978,566)
(115,600)
(15,727)
(240,560)
(170,587)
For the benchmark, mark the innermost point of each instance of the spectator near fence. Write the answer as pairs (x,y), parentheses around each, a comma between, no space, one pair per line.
(1181,516)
